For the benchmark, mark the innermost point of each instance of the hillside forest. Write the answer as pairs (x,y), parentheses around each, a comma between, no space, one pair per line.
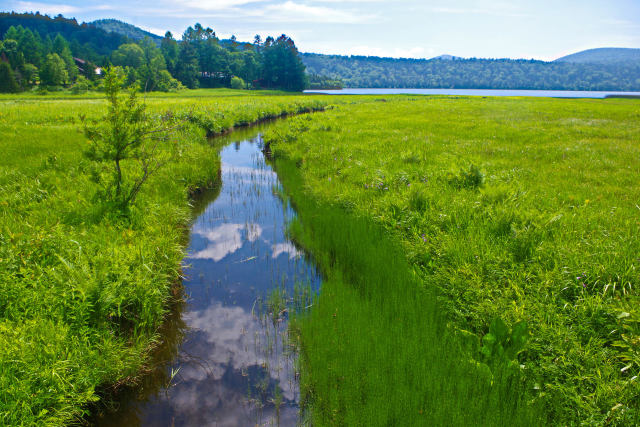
(475,73)
(51,53)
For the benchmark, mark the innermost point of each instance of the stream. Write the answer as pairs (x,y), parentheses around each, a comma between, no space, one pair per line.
(225,359)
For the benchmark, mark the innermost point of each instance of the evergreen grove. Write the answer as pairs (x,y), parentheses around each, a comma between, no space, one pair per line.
(31,60)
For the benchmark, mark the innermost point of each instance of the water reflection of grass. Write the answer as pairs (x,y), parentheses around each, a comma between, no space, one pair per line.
(279,344)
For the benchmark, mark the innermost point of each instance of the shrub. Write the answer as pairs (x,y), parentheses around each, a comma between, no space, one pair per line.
(125,133)
(237,83)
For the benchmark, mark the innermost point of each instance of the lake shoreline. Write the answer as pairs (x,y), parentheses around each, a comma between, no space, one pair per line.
(479,92)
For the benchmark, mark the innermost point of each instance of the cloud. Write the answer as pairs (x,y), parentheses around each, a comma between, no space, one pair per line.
(45,8)
(232,337)
(292,11)
(265,11)
(478,11)
(101,7)
(156,31)
(213,5)
(354,1)
(284,248)
(225,240)
(227,347)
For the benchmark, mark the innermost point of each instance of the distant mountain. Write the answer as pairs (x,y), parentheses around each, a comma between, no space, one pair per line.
(473,73)
(447,57)
(122,28)
(605,55)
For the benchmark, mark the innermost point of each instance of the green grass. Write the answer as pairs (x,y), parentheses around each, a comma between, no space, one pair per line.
(187,93)
(519,208)
(83,291)
(430,216)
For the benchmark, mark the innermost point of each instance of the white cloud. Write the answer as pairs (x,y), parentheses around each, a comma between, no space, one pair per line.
(479,11)
(240,340)
(156,31)
(101,7)
(225,344)
(45,8)
(225,240)
(213,5)
(288,11)
(354,1)
(292,11)
(284,248)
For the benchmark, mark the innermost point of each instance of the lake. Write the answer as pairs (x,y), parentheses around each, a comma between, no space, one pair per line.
(477,92)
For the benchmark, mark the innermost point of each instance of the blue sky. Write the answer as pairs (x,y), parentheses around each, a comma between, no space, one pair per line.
(541,29)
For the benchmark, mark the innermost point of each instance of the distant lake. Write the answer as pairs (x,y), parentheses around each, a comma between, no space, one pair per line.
(477,92)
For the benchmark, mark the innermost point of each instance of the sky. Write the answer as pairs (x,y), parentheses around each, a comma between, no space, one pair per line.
(539,29)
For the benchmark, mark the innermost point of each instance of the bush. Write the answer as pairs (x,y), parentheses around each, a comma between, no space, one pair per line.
(124,134)
(166,83)
(81,85)
(237,83)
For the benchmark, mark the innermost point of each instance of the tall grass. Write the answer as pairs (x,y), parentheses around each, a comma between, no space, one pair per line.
(375,348)
(520,209)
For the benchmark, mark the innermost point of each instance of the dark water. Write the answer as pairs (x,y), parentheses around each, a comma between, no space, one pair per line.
(477,92)
(226,359)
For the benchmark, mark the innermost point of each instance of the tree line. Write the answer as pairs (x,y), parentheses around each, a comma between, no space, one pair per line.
(376,72)
(31,59)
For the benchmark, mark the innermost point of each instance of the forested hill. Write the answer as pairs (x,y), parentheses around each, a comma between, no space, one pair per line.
(44,53)
(119,27)
(606,55)
(376,72)
(85,40)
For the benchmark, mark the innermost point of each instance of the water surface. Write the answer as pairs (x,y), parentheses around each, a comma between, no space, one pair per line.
(226,359)
(477,92)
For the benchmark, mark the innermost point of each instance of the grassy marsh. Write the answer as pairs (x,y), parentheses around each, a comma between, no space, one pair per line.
(430,216)
(518,208)
(82,291)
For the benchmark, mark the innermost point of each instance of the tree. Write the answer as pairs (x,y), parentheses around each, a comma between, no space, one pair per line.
(214,61)
(29,74)
(81,85)
(170,51)
(31,47)
(188,68)
(13,54)
(166,83)
(61,48)
(282,66)
(53,72)
(128,55)
(127,143)
(154,64)
(8,82)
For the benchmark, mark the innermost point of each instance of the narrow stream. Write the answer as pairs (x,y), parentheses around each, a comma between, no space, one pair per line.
(226,359)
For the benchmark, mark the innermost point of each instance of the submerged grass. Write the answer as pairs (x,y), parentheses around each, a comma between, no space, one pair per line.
(432,217)
(82,290)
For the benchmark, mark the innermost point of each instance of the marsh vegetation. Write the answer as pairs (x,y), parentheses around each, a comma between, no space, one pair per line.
(479,256)
(461,235)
